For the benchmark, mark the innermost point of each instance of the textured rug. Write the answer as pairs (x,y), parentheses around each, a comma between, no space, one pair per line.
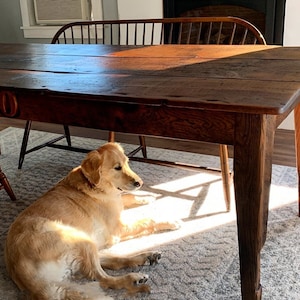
(200,260)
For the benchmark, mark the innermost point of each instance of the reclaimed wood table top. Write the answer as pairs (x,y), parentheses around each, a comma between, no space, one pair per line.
(222,94)
(244,78)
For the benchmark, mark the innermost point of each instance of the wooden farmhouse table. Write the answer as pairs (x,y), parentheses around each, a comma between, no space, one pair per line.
(235,95)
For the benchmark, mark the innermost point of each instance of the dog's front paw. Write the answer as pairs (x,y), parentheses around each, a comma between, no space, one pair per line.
(134,200)
(167,225)
(143,200)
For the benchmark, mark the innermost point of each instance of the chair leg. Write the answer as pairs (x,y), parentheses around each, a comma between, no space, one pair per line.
(143,145)
(24,143)
(226,175)
(111,136)
(5,184)
(68,136)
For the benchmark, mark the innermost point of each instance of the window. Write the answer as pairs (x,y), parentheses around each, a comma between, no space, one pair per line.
(36,24)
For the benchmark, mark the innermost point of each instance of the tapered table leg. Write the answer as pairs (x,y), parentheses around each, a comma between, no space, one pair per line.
(254,138)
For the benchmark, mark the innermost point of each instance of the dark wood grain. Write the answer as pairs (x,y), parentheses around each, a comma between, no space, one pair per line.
(126,73)
(256,133)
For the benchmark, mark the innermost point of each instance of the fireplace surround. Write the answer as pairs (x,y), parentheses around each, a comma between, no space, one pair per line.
(266,15)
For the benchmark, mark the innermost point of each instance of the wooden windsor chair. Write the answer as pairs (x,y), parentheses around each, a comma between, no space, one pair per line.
(187,30)
(4,184)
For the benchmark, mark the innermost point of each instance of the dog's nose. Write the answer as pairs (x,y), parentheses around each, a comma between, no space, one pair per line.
(137,184)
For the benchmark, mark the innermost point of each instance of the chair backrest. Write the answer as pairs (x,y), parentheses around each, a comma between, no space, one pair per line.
(193,30)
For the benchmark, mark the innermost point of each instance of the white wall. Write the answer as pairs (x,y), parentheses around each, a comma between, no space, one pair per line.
(140,9)
(292,23)
(291,37)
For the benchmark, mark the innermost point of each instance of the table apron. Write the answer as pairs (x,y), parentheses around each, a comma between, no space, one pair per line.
(136,118)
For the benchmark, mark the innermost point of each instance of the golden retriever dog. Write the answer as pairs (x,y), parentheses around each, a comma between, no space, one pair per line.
(59,237)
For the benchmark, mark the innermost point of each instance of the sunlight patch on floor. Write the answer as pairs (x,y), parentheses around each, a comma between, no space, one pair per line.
(198,202)
(282,195)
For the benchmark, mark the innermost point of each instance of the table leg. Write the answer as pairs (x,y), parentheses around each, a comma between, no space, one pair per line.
(297,148)
(254,138)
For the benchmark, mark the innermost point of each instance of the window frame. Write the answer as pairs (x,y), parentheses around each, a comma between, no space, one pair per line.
(33,30)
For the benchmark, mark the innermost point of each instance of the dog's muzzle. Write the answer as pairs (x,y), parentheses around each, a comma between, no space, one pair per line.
(132,186)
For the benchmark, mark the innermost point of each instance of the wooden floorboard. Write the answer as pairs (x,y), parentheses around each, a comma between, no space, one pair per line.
(284,147)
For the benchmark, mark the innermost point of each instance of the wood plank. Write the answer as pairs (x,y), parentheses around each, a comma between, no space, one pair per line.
(195,75)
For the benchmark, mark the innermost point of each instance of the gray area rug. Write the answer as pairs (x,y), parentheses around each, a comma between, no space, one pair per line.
(200,261)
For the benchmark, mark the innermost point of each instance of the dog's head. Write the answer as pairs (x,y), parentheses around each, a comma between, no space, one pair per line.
(108,167)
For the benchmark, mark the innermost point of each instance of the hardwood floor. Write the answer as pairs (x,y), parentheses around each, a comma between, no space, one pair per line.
(284,147)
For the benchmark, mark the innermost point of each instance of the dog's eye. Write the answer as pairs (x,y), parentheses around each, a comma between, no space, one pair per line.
(118,168)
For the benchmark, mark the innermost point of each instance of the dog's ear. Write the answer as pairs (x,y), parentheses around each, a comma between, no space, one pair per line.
(91,167)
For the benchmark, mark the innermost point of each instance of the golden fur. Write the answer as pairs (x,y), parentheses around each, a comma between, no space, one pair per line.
(58,237)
